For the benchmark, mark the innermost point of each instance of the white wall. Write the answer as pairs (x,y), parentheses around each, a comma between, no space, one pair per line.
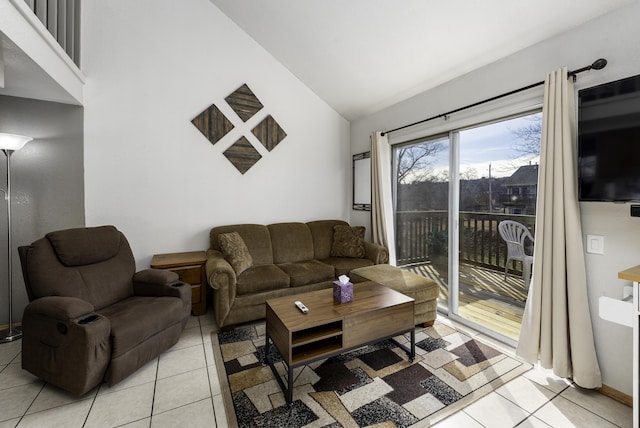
(151,67)
(615,37)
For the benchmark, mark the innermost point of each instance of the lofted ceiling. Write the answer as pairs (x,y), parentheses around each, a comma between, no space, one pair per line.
(361,56)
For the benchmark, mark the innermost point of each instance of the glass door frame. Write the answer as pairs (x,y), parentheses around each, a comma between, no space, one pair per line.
(519,105)
(453,285)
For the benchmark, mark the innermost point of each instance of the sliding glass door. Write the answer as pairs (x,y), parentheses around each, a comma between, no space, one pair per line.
(452,192)
(422,209)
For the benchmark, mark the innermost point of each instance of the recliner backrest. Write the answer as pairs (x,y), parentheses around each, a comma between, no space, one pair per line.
(94,264)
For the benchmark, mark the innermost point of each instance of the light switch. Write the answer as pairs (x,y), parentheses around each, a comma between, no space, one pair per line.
(595,244)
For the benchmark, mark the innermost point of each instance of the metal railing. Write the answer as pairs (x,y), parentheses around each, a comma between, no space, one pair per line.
(62,19)
(422,236)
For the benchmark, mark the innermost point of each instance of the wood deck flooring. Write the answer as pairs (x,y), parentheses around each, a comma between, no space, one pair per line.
(485,297)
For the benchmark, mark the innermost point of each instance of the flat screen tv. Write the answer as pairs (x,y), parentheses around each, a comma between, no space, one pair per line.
(609,141)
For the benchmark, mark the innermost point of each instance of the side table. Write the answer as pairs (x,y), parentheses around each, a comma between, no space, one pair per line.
(190,268)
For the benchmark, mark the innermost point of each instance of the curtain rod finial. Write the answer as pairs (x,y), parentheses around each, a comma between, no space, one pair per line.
(599,64)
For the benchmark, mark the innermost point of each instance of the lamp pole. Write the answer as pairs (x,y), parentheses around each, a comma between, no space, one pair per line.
(9,143)
(11,333)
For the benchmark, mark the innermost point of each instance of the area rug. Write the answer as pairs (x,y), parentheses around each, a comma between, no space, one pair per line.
(371,385)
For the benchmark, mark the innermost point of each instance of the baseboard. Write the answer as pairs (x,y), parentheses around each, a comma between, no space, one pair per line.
(6,326)
(614,394)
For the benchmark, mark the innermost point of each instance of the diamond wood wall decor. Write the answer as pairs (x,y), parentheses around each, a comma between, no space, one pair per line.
(269,133)
(242,155)
(244,102)
(213,124)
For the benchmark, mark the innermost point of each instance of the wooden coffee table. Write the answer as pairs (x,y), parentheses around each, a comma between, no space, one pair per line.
(330,328)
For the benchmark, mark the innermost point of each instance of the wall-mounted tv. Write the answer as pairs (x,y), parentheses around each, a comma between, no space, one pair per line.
(609,141)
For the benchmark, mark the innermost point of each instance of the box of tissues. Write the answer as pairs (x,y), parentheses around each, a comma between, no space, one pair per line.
(342,290)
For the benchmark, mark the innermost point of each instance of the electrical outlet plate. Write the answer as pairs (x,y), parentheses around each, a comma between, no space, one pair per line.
(595,244)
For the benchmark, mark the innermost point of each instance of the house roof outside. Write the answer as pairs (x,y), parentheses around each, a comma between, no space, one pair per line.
(526,175)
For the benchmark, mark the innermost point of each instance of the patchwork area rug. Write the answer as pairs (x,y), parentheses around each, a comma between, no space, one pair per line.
(374,384)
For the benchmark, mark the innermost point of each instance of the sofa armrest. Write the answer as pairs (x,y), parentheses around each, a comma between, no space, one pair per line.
(66,343)
(376,253)
(222,278)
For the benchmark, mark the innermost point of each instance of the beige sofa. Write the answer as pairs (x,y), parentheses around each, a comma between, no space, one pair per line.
(283,259)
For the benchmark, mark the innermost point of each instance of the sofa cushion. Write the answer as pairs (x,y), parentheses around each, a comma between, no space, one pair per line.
(255,236)
(291,242)
(344,265)
(137,318)
(348,241)
(322,233)
(307,272)
(235,251)
(258,279)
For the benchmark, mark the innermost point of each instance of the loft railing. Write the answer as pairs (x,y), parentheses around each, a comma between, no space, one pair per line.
(62,19)
(422,236)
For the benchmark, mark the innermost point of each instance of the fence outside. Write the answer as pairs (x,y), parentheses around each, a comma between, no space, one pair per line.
(422,236)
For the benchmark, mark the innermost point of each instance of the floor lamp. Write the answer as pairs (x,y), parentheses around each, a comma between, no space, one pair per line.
(9,143)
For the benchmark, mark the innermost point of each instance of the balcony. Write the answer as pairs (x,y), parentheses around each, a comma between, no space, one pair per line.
(485,296)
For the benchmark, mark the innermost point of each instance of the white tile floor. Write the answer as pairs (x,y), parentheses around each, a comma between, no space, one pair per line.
(181,388)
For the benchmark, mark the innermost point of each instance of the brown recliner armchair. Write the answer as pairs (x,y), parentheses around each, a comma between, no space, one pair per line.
(91,317)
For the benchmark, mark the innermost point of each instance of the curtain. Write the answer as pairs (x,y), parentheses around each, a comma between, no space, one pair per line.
(382,229)
(556,326)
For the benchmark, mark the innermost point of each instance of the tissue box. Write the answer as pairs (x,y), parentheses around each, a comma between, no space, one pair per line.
(342,293)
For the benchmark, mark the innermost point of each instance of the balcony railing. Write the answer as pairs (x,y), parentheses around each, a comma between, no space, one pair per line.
(517,199)
(62,19)
(422,236)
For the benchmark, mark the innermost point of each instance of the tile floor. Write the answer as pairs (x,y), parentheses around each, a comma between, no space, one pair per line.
(181,388)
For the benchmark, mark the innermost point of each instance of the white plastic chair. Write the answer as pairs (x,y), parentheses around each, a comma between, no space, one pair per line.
(515,234)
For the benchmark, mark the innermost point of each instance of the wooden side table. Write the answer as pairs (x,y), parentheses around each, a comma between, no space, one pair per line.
(190,268)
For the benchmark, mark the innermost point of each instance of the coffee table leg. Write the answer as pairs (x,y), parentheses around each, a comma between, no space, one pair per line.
(413,345)
(266,349)
(290,389)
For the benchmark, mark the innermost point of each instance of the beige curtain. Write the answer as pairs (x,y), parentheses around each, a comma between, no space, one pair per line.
(556,327)
(382,228)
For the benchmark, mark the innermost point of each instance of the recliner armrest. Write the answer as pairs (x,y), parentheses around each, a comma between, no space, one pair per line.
(178,289)
(376,253)
(156,276)
(60,308)
(163,283)
(65,342)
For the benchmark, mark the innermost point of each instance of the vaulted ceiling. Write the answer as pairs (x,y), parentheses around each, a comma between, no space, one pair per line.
(360,56)
(363,55)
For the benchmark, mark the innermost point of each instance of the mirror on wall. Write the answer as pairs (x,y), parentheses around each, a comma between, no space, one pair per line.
(362,181)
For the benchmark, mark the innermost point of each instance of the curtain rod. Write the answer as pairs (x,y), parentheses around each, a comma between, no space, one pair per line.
(598,64)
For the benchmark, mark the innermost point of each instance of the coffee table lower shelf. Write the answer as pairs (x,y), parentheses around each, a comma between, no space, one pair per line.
(288,389)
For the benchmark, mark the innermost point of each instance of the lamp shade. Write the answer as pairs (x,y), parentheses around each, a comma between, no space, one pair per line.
(13,141)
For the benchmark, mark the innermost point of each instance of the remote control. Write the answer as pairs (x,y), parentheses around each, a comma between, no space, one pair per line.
(301,306)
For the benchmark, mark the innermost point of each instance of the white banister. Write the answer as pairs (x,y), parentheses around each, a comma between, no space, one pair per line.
(62,20)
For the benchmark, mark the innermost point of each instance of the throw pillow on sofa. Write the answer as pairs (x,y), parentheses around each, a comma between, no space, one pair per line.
(348,241)
(235,251)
